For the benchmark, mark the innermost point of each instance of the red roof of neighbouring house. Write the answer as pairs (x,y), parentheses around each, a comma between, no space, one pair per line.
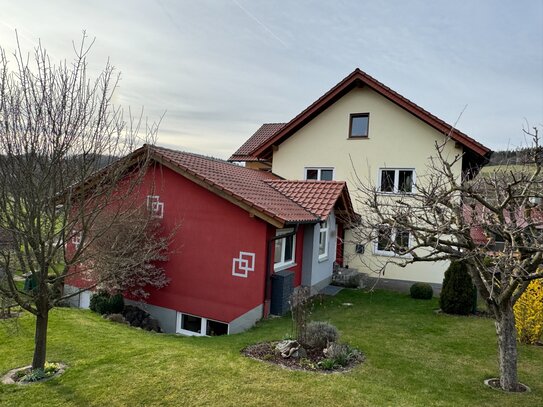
(262,193)
(263,134)
(265,140)
(480,225)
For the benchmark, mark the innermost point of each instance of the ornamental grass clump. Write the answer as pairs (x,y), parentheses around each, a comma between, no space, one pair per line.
(339,355)
(529,313)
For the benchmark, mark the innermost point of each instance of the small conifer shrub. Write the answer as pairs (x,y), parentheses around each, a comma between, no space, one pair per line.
(458,294)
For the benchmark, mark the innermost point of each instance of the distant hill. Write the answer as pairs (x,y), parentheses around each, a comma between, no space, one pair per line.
(521,156)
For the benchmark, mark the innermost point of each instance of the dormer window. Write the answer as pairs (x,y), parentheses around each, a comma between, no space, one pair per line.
(359,125)
(320,174)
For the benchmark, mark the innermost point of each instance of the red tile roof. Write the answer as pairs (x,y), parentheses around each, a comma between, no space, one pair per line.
(318,197)
(262,135)
(263,193)
(356,78)
(475,217)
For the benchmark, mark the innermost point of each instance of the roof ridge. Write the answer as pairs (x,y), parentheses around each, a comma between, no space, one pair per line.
(205,157)
(385,91)
(322,181)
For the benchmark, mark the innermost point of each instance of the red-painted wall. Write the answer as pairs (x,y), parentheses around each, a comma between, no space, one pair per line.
(212,232)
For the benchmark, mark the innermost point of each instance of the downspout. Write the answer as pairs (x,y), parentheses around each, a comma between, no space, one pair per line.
(267,282)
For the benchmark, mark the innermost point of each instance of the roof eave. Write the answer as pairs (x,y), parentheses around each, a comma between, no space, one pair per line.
(357,78)
(237,200)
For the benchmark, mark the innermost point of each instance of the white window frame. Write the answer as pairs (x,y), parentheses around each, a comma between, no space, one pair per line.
(319,172)
(352,117)
(396,180)
(203,325)
(323,230)
(155,207)
(391,253)
(285,264)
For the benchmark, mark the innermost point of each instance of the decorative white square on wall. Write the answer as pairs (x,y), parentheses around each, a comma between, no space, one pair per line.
(243,264)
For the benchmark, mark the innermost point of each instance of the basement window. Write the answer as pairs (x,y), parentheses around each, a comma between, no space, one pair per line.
(192,325)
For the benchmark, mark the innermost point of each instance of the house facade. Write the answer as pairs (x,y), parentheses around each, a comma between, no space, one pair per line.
(363,132)
(236,228)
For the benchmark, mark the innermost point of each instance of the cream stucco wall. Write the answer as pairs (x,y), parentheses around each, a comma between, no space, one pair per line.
(396,139)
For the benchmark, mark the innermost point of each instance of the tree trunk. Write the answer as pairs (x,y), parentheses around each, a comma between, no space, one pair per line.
(40,341)
(507,348)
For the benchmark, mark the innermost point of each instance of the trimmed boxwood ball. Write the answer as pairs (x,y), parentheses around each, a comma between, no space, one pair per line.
(458,294)
(421,291)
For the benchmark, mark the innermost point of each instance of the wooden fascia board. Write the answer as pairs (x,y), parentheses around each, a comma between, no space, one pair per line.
(431,121)
(94,179)
(230,197)
(308,114)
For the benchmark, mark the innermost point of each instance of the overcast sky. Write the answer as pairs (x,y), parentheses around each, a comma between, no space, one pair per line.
(219,69)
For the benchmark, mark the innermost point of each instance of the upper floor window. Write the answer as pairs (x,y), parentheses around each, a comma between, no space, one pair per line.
(396,180)
(359,125)
(320,174)
(284,249)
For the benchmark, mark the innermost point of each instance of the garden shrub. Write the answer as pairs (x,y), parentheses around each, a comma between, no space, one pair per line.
(300,306)
(458,294)
(140,319)
(529,313)
(320,334)
(104,303)
(339,352)
(421,291)
(97,301)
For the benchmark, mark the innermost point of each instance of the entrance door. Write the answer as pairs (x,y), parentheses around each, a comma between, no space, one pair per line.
(339,242)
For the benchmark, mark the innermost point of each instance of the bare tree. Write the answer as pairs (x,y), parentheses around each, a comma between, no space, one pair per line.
(448,217)
(57,127)
(128,256)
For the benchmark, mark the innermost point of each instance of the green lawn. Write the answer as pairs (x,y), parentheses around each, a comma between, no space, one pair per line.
(414,358)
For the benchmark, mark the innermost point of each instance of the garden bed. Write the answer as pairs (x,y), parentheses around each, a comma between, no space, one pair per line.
(25,375)
(313,359)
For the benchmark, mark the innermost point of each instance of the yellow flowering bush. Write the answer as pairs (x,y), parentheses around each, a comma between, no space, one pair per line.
(529,313)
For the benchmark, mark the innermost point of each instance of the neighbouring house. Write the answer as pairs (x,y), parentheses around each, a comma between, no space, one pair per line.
(363,131)
(245,239)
